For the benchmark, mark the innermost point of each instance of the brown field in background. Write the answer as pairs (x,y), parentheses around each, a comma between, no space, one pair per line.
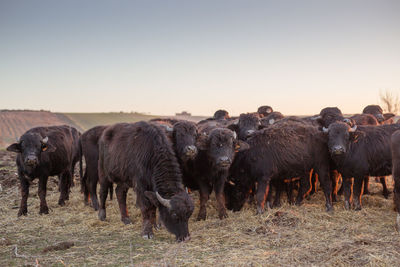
(288,236)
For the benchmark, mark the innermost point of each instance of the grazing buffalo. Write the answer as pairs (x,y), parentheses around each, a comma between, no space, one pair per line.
(264,111)
(283,150)
(396,173)
(139,155)
(217,148)
(44,152)
(89,145)
(360,151)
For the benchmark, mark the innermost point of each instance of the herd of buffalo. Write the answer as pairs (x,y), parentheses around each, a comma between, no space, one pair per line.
(253,157)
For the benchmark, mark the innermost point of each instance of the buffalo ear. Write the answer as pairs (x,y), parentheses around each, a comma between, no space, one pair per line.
(202,141)
(14,148)
(151,196)
(241,146)
(387,116)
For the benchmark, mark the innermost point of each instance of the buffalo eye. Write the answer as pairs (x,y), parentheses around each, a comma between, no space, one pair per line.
(174,216)
(220,145)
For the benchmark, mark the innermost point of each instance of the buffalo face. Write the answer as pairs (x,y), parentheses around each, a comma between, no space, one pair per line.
(185,135)
(174,212)
(221,145)
(30,147)
(339,134)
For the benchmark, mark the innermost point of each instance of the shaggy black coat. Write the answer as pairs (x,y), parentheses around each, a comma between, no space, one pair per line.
(44,152)
(217,148)
(89,145)
(286,149)
(139,155)
(359,153)
(395,145)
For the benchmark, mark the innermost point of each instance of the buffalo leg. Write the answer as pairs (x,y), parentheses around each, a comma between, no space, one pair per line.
(326,184)
(64,187)
(304,188)
(93,193)
(85,189)
(280,185)
(103,196)
(219,194)
(121,192)
(23,208)
(358,191)
(261,195)
(204,191)
(335,180)
(347,191)
(289,191)
(149,219)
(314,181)
(366,185)
(385,191)
(42,195)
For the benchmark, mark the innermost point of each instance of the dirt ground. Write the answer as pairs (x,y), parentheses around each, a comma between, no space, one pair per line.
(288,236)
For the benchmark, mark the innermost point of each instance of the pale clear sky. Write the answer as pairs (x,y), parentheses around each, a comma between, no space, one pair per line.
(167,56)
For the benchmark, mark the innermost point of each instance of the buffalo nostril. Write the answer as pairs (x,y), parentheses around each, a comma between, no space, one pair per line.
(224,161)
(338,149)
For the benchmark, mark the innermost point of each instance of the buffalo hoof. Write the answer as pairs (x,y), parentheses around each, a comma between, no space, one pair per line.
(299,202)
(126,220)
(202,216)
(183,239)
(334,198)
(22,212)
(357,207)
(329,208)
(347,205)
(148,236)
(386,194)
(102,215)
(223,215)
(366,192)
(61,202)
(44,210)
(260,210)
(95,206)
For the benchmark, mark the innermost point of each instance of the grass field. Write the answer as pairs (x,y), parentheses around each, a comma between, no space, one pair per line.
(288,236)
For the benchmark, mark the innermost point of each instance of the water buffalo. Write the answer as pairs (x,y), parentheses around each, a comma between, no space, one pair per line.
(395,145)
(139,155)
(89,144)
(44,152)
(217,148)
(283,150)
(360,151)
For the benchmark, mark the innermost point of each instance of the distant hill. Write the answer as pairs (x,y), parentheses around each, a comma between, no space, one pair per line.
(13,123)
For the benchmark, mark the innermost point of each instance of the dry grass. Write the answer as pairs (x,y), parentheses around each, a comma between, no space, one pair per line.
(305,236)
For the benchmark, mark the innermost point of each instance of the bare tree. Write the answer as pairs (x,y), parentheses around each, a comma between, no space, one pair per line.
(390,101)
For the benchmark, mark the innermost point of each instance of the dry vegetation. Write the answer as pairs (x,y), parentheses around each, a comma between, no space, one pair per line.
(306,235)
